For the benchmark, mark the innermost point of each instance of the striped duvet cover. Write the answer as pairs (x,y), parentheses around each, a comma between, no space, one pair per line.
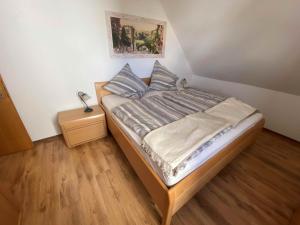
(152,112)
(149,113)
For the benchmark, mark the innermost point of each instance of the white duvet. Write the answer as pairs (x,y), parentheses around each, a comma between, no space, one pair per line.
(171,144)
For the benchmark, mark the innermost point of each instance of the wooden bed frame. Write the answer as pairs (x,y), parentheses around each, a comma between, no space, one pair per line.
(169,200)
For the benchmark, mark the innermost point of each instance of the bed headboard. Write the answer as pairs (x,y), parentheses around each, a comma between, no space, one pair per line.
(101,92)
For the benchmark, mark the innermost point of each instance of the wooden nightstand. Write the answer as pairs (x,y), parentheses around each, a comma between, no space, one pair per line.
(79,127)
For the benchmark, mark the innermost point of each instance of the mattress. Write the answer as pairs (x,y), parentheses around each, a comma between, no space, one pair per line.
(111,101)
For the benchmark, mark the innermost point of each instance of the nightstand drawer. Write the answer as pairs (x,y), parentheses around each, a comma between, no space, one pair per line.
(86,134)
(84,122)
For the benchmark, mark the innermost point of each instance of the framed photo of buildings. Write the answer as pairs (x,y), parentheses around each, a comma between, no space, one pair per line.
(134,36)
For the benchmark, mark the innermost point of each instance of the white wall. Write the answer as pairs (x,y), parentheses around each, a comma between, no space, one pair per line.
(49,49)
(281,110)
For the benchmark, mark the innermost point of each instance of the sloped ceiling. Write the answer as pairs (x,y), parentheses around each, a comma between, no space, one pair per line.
(245,41)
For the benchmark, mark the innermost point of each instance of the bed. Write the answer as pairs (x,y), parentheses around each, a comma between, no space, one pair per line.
(170,193)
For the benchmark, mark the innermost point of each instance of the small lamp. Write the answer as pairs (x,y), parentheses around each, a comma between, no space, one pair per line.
(183,83)
(83,97)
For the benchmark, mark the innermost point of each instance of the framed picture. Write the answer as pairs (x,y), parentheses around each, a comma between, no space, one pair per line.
(134,36)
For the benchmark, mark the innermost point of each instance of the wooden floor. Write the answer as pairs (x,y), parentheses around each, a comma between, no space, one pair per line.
(94,184)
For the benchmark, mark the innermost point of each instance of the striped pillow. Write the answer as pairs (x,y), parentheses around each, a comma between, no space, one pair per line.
(127,84)
(162,79)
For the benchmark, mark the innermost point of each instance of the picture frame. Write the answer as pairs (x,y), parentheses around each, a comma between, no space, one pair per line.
(135,36)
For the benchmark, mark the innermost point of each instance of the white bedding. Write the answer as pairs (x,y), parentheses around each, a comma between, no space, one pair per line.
(111,101)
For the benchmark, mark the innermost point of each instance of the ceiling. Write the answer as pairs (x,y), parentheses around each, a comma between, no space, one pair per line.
(245,41)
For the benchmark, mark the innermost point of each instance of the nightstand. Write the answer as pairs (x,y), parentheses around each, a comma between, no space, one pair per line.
(79,127)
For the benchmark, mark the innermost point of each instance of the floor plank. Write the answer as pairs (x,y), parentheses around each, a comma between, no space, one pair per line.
(94,184)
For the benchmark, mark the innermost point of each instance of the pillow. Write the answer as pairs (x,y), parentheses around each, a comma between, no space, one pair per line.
(162,79)
(127,84)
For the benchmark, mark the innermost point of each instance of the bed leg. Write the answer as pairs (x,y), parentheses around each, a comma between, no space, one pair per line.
(168,212)
(166,219)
